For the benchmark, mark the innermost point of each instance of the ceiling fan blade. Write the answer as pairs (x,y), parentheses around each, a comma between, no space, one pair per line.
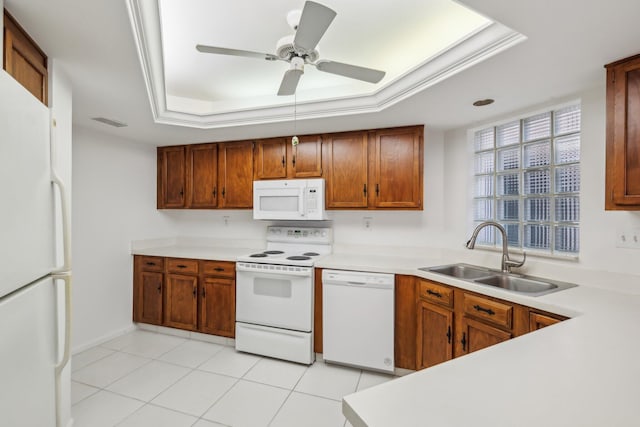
(235,52)
(353,71)
(290,82)
(314,21)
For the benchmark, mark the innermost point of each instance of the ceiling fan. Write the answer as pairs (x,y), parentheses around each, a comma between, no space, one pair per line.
(300,49)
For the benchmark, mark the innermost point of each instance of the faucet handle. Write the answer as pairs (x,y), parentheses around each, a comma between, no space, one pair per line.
(510,263)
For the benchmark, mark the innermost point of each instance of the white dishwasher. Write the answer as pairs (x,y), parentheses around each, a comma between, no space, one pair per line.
(357,319)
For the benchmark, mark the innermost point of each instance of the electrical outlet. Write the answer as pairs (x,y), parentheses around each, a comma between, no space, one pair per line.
(628,239)
(226,220)
(367,222)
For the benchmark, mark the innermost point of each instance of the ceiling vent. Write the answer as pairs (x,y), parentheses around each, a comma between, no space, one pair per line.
(110,122)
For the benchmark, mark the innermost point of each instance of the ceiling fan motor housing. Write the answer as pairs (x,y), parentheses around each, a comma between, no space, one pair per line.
(286,51)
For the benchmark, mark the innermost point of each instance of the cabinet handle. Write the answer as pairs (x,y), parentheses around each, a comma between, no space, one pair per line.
(181,192)
(181,266)
(485,310)
(223,192)
(294,161)
(449,335)
(434,293)
(364,189)
(195,292)
(215,191)
(377,190)
(160,288)
(218,269)
(464,341)
(150,263)
(283,162)
(204,295)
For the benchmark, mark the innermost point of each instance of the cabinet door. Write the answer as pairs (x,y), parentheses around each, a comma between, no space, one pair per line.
(539,321)
(623,135)
(218,306)
(474,335)
(405,325)
(235,174)
(347,172)
(171,177)
(305,159)
(181,305)
(271,158)
(202,173)
(150,298)
(397,170)
(24,60)
(435,335)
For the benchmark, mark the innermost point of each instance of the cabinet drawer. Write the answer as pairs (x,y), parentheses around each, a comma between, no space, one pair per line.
(179,265)
(152,263)
(219,268)
(436,293)
(496,312)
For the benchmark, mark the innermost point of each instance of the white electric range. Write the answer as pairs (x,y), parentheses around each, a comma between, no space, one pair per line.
(274,294)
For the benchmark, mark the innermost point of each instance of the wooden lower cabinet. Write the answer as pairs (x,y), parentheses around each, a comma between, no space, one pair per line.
(181,301)
(405,322)
(475,335)
(194,295)
(217,306)
(434,342)
(539,320)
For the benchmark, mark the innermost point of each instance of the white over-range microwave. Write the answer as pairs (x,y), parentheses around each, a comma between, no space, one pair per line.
(289,199)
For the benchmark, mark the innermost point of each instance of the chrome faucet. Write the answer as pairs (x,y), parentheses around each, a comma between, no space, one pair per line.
(507,263)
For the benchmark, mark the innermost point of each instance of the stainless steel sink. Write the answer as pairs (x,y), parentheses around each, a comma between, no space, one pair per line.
(460,271)
(512,282)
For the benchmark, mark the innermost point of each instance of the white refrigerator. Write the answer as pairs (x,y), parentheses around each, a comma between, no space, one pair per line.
(34,291)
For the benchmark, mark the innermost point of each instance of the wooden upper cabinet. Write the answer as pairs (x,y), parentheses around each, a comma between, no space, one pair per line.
(235,174)
(202,176)
(397,168)
(277,158)
(305,159)
(623,135)
(24,60)
(171,177)
(346,156)
(271,158)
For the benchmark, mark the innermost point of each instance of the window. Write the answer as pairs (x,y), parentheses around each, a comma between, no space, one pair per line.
(527,178)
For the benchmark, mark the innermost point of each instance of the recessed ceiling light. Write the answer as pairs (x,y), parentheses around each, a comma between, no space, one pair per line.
(110,122)
(483,102)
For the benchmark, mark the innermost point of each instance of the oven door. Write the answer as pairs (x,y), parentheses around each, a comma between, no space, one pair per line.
(275,295)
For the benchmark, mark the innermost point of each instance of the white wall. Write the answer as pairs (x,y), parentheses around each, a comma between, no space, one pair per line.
(114,203)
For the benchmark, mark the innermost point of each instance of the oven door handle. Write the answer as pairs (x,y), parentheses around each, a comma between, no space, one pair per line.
(306,272)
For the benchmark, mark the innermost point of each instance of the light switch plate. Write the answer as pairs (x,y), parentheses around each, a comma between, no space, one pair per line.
(629,238)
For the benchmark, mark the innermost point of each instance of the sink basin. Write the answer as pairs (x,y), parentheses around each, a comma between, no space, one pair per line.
(512,282)
(518,284)
(460,271)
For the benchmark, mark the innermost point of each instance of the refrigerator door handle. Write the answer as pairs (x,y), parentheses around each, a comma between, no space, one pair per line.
(66,352)
(66,224)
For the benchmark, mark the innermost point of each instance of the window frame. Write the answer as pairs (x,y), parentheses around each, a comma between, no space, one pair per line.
(490,194)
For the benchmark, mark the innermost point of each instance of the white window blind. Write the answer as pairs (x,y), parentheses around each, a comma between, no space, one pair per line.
(527,178)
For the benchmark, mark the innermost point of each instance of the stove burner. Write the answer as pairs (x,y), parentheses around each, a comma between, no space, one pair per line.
(310,254)
(258,256)
(298,258)
(273,252)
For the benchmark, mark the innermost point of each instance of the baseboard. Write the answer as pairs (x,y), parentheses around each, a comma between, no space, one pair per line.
(103,339)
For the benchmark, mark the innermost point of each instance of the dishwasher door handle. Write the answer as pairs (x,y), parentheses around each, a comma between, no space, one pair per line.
(356,283)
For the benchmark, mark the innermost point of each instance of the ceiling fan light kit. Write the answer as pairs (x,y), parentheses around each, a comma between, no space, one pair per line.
(299,49)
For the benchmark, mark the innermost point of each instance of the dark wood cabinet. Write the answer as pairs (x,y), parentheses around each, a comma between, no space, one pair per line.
(202,176)
(194,295)
(305,159)
(539,320)
(405,327)
(435,335)
(24,60)
(346,170)
(148,287)
(475,335)
(622,185)
(396,178)
(270,158)
(171,177)
(217,313)
(235,174)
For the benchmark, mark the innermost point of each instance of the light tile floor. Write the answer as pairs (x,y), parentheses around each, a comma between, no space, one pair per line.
(149,379)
